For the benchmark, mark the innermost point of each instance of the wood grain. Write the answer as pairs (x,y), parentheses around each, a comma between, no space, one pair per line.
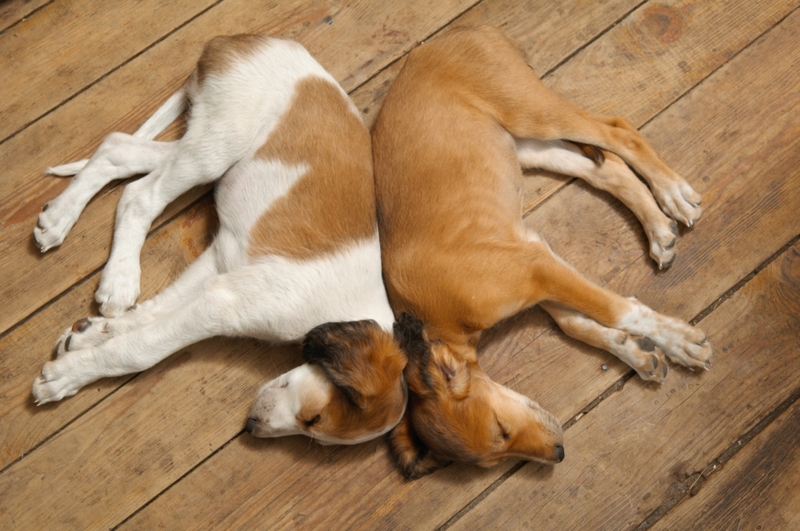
(110,451)
(759,490)
(51,56)
(12,11)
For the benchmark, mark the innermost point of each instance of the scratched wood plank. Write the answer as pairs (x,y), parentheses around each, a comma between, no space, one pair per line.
(756,490)
(550,368)
(625,456)
(742,219)
(67,45)
(120,102)
(12,11)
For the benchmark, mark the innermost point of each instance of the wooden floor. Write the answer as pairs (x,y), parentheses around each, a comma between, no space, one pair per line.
(715,86)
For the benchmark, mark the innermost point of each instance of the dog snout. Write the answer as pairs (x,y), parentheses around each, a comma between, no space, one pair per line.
(251,425)
(559,453)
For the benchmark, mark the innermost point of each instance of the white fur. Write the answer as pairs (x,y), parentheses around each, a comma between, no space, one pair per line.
(226,291)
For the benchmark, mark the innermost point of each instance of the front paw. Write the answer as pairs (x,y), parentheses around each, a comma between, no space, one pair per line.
(84,333)
(118,290)
(662,242)
(54,383)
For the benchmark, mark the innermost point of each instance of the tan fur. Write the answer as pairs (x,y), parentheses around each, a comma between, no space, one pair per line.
(366,365)
(454,249)
(333,203)
(221,53)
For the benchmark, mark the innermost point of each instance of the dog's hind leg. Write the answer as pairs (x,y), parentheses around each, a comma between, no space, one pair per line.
(517,99)
(612,176)
(119,156)
(639,352)
(197,159)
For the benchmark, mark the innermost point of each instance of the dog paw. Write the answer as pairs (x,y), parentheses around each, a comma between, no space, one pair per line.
(680,202)
(643,355)
(662,242)
(54,383)
(84,333)
(118,291)
(692,353)
(680,342)
(54,224)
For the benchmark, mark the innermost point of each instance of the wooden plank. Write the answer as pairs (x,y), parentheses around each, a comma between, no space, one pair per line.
(12,11)
(547,368)
(66,46)
(626,454)
(122,101)
(756,490)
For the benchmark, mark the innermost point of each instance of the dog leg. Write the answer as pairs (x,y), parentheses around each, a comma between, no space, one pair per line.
(639,352)
(222,307)
(119,156)
(198,159)
(612,176)
(92,331)
(518,100)
(551,279)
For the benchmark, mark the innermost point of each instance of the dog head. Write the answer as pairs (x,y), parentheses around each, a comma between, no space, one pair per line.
(350,390)
(457,413)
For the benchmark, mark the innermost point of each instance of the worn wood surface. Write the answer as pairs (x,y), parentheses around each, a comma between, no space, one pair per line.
(14,11)
(757,491)
(716,86)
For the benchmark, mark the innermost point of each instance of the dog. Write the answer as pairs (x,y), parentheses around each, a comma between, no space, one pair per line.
(464,115)
(296,254)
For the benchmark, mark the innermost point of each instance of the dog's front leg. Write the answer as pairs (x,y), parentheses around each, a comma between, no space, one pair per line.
(92,331)
(551,279)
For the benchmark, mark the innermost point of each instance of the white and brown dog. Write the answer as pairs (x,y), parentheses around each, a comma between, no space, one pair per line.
(297,245)
(461,119)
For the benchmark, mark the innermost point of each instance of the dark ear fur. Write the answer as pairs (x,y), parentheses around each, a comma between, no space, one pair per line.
(412,456)
(410,336)
(338,348)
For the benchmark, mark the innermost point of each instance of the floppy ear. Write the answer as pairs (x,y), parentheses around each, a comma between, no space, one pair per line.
(409,334)
(456,374)
(413,457)
(345,351)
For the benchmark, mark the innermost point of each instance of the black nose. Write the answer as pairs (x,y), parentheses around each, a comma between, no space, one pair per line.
(559,452)
(251,425)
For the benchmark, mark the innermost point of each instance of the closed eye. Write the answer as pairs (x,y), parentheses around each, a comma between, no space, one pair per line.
(503,432)
(311,422)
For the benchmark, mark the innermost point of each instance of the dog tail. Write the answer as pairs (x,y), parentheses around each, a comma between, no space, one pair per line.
(164,115)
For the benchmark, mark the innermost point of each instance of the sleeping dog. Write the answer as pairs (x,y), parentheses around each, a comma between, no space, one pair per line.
(461,119)
(297,250)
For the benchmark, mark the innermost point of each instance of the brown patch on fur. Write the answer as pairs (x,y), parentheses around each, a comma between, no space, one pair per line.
(334,202)
(366,366)
(220,53)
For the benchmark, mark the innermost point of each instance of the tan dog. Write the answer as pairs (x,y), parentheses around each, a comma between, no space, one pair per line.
(463,116)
